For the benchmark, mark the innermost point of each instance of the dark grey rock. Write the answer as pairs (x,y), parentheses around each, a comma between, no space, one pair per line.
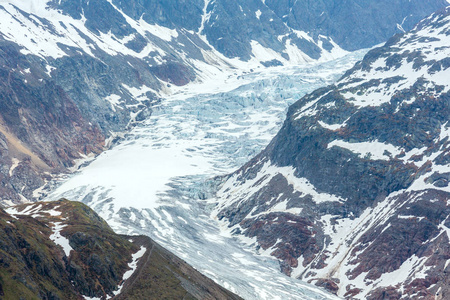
(406,223)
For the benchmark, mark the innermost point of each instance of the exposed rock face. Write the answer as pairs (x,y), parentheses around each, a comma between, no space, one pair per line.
(42,129)
(64,250)
(354,24)
(353,192)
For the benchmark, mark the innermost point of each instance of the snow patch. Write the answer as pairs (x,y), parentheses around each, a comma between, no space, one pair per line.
(133,266)
(114,100)
(331,127)
(15,164)
(60,240)
(374,150)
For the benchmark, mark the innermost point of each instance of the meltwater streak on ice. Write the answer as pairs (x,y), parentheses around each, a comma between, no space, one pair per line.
(153,182)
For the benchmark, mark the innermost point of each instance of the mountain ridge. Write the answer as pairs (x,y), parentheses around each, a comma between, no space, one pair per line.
(330,195)
(64,250)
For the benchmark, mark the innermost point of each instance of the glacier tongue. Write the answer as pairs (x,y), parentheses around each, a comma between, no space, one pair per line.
(155,181)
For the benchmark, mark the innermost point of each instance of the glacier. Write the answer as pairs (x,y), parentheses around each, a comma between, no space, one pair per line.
(159,179)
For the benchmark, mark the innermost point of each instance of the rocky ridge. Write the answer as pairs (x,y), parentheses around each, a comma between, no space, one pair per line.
(64,250)
(353,192)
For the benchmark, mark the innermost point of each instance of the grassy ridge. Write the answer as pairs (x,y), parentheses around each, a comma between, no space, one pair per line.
(32,266)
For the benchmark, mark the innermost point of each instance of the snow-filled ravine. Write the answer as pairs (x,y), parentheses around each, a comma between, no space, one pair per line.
(153,181)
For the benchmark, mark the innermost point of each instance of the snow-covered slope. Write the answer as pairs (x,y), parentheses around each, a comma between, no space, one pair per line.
(353,192)
(54,29)
(75,73)
(105,63)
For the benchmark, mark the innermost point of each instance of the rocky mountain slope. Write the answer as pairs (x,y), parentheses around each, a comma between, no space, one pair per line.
(353,192)
(75,73)
(353,24)
(64,250)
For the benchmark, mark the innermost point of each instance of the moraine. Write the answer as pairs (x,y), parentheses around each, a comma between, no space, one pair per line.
(155,181)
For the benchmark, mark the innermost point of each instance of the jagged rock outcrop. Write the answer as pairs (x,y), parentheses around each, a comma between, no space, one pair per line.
(353,192)
(64,250)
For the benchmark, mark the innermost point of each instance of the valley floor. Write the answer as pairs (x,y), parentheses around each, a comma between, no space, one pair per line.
(157,180)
